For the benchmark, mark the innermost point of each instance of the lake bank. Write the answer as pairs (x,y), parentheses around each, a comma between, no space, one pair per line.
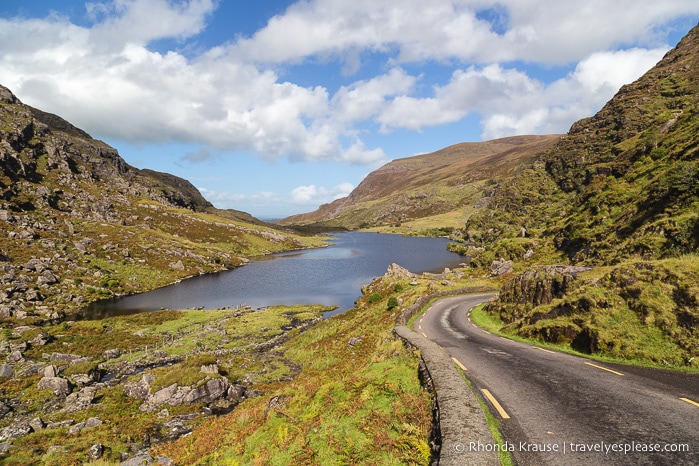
(330,276)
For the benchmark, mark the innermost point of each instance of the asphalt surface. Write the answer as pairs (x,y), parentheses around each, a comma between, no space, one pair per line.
(559,409)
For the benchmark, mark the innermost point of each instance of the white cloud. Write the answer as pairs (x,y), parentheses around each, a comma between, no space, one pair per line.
(510,102)
(413,30)
(104,78)
(314,195)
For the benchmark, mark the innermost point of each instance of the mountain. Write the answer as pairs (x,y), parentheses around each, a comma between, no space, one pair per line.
(593,235)
(79,223)
(427,184)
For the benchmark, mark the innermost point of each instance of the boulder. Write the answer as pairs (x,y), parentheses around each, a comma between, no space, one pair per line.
(15,357)
(140,389)
(80,400)
(6,370)
(396,271)
(112,353)
(13,431)
(59,385)
(173,395)
(500,267)
(95,452)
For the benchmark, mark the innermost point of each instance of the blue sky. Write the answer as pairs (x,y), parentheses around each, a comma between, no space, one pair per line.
(274,107)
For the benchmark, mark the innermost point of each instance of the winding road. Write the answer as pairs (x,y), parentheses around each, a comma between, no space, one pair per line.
(559,409)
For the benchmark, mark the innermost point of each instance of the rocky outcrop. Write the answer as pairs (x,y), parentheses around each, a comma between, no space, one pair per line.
(208,390)
(540,285)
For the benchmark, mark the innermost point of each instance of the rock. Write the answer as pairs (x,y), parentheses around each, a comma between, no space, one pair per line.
(15,357)
(33,295)
(138,460)
(540,285)
(59,385)
(528,254)
(167,395)
(36,424)
(93,422)
(80,400)
(40,339)
(500,267)
(74,431)
(50,371)
(396,271)
(112,353)
(60,424)
(174,395)
(235,393)
(47,278)
(68,358)
(213,389)
(15,430)
(4,409)
(5,447)
(354,341)
(82,380)
(95,452)
(140,389)
(177,265)
(6,370)
(21,346)
(209,369)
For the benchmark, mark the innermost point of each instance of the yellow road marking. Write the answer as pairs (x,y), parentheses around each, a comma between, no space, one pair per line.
(424,335)
(485,331)
(603,368)
(419,327)
(458,363)
(499,408)
(690,401)
(542,349)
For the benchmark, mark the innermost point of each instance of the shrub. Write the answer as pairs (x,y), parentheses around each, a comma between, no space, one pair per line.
(392,303)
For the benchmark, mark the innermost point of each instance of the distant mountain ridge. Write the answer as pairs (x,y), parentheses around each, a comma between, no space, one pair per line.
(427,184)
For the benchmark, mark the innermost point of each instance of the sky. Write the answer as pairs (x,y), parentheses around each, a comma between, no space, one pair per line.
(274,107)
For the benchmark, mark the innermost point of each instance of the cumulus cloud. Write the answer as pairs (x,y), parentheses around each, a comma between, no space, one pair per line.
(106,77)
(412,30)
(510,102)
(314,195)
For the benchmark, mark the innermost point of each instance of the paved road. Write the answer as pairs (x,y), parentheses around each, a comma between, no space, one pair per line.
(560,409)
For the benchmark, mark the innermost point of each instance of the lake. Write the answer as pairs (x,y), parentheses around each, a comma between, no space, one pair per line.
(330,276)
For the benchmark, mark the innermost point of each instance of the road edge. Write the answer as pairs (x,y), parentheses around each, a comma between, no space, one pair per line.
(462,422)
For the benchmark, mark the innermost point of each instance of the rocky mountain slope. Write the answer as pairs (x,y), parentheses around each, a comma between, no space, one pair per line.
(428,184)
(620,194)
(594,234)
(78,223)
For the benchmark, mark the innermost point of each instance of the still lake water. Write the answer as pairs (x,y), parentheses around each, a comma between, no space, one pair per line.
(328,276)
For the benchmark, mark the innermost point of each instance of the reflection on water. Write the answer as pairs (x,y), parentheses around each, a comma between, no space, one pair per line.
(330,276)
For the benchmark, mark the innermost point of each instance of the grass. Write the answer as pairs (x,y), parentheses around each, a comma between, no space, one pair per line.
(343,391)
(227,338)
(357,404)
(494,325)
